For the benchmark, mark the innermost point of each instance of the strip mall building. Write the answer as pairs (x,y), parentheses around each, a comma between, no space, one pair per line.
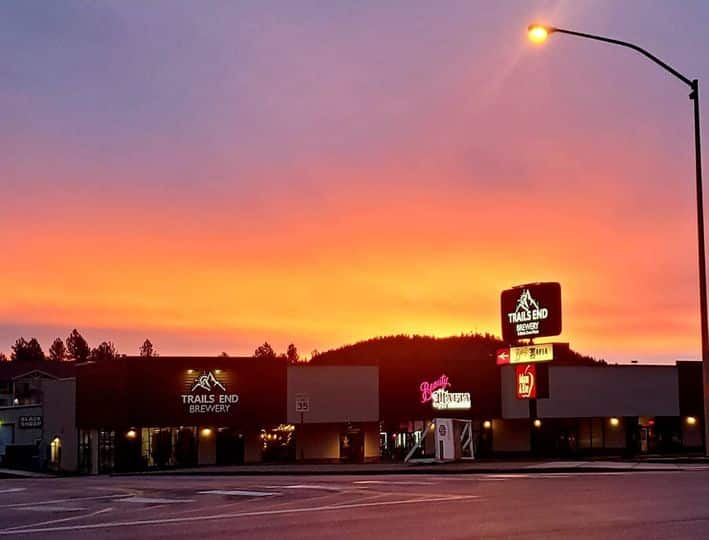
(134,413)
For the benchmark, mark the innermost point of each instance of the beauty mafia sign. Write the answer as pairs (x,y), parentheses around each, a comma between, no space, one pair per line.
(437,392)
(531,311)
(208,395)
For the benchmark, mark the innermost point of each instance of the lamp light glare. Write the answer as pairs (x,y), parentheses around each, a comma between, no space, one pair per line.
(130,434)
(206,432)
(691,420)
(537,33)
(537,423)
(614,422)
(487,424)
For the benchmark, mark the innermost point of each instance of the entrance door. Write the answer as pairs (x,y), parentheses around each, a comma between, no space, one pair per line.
(352,446)
(230,447)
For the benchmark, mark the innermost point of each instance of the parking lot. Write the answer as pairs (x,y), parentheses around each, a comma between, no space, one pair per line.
(542,505)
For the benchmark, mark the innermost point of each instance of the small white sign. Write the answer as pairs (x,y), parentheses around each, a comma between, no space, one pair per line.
(532,353)
(302,403)
(443,400)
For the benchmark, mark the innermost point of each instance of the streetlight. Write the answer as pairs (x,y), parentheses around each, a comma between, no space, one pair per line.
(539,33)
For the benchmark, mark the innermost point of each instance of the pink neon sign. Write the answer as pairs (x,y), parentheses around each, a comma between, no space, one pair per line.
(428,388)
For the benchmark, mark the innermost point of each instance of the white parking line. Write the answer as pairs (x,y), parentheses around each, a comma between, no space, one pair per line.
(394,483)
(192,519)
(237,492)
(50,508)
(153,500)
(64,500)
(309,486)
(12,490)
(59,520)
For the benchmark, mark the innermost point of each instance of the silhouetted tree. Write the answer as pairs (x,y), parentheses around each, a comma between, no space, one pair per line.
(27,351)
(223,355)
(105,351)
(265,351)
(57,351)
(3,358)
(147,350)
(314,353)
(292,354)
(77,346)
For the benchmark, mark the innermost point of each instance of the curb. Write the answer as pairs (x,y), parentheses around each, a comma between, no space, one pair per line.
(407,471)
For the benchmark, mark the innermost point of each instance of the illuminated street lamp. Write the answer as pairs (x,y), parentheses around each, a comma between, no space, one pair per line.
(538,33)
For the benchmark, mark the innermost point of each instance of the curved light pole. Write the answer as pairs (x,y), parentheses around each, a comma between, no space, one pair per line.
(539,33)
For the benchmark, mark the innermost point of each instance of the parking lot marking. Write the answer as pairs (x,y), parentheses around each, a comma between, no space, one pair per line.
(11,490)
(61,520)
(64,500)
(257,513)
(394,482)
(50,508)
(153,500)
(237,492)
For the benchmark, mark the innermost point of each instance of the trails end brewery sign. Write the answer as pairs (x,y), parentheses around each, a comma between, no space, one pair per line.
(531,311)
(207,394)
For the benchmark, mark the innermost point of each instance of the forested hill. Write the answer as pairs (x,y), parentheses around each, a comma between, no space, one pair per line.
(424,349)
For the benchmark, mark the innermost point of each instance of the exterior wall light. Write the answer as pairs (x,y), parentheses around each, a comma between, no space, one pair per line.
(432,426)
(206,432)
(130,434)
(691,420)
(614,422)
(487,424)
(537,423)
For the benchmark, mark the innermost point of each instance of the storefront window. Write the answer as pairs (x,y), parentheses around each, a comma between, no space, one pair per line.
(84,451)
(106,450)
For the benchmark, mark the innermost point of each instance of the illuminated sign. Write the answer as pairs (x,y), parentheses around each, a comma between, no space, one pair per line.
(526,354)
(526,381)
(437,392)
(208,395)
(530,311)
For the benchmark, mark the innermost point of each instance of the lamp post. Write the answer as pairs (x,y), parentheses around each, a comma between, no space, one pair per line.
(539,33)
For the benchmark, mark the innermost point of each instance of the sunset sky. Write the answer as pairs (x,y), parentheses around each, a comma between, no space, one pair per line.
(212,175)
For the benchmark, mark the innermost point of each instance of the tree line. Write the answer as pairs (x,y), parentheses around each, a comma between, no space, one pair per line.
(74,349)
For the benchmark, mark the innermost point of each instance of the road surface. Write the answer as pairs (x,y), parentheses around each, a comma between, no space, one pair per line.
(639,505)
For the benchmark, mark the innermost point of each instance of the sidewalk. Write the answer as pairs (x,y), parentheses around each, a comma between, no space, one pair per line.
(476,467)
(16,473)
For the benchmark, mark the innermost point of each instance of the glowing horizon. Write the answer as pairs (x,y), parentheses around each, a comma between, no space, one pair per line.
(316,175)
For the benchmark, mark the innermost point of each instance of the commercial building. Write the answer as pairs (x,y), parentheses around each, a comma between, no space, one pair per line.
(37,415)
(134,413)
(597,410)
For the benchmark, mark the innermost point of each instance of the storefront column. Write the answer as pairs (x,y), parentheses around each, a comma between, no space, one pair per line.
(93,443)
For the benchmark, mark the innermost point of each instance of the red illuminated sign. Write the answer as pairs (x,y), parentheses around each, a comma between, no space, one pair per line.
(526,381)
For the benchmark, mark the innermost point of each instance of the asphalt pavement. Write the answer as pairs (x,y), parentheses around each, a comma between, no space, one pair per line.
(621,504)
